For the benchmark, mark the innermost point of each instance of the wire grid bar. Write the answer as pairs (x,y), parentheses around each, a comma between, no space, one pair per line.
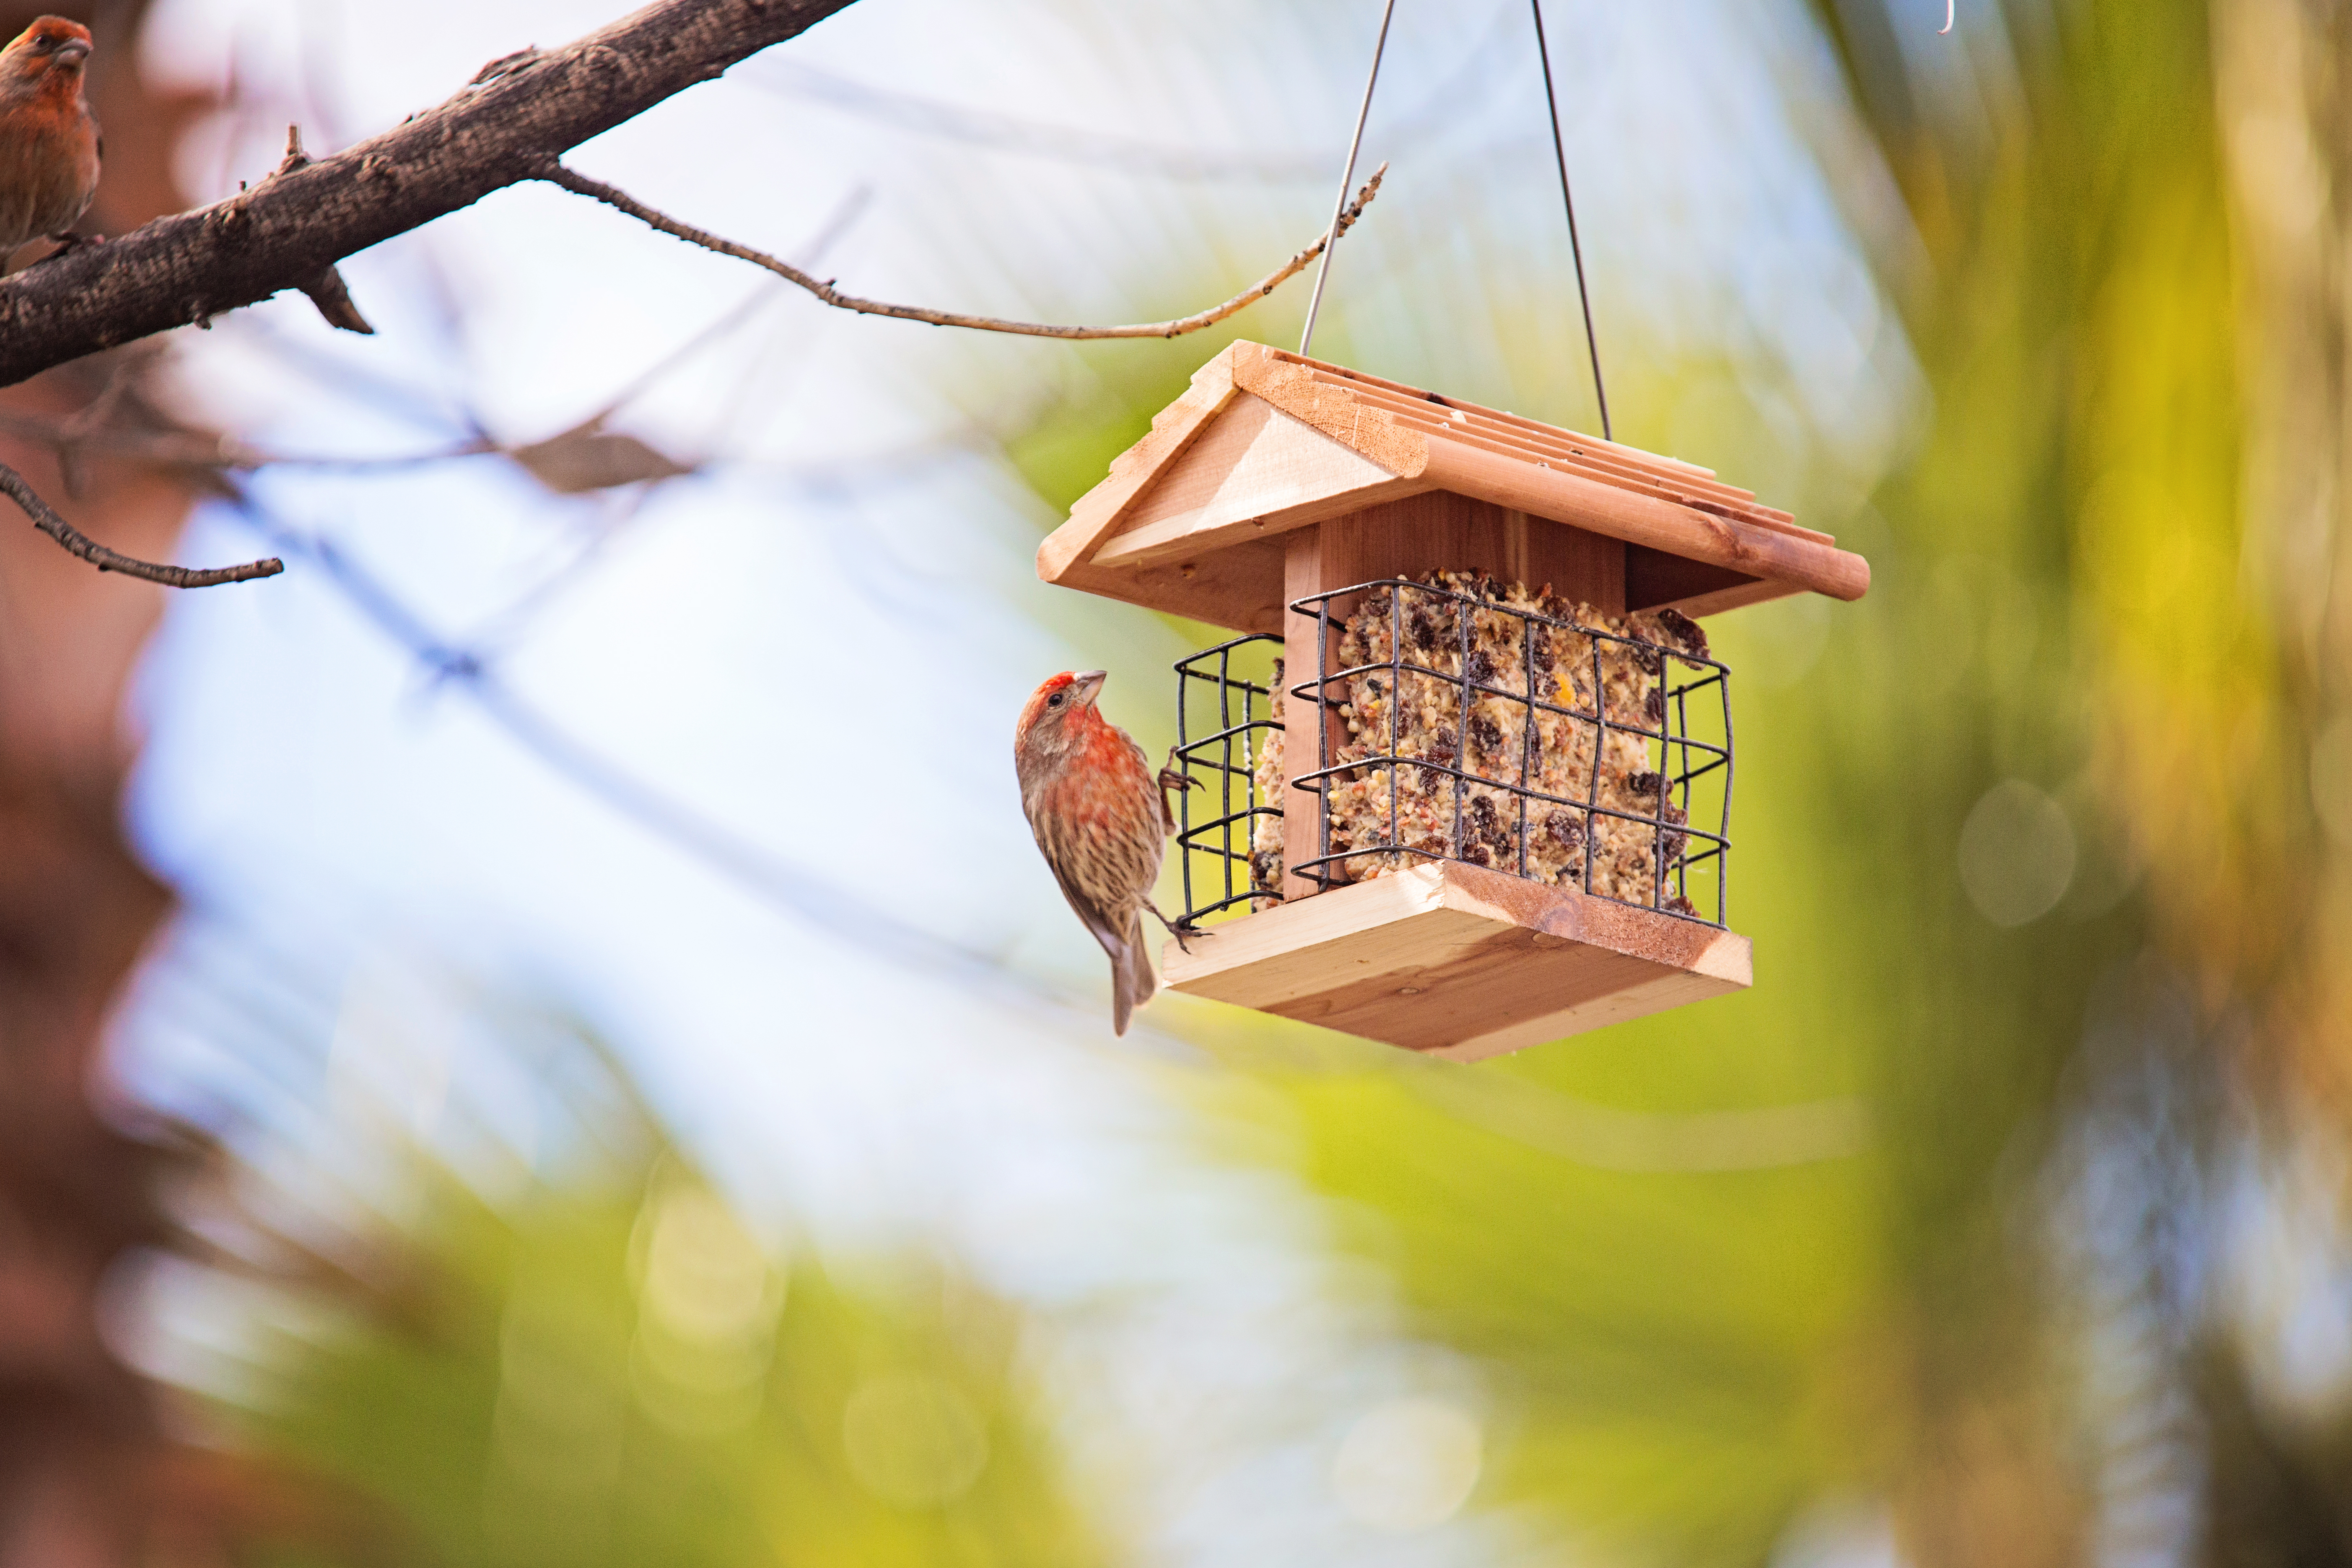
(1225,759)
(1676,847)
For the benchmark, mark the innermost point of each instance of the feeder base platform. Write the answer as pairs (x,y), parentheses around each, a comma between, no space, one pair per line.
(1459,962)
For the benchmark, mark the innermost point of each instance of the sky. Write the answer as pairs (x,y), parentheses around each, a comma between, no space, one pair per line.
(721,767)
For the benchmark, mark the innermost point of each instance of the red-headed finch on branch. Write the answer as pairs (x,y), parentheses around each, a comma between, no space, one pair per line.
(1100,813)
(49,144)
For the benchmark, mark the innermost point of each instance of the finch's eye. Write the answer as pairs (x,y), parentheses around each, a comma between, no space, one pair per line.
(1055,701)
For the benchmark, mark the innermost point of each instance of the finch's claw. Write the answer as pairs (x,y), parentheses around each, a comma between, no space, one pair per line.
(1174,929)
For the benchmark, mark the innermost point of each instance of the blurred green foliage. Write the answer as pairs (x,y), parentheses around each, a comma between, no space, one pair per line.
(603,1364)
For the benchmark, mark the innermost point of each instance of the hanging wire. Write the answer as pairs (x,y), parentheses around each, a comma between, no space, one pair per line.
(1575,246)
(1346,179)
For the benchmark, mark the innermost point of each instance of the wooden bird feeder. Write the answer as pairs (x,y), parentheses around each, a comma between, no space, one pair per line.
(1548,886)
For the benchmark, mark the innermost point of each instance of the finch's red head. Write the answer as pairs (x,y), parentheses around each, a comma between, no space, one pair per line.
(1060,713)
(52,48)
(1059,699)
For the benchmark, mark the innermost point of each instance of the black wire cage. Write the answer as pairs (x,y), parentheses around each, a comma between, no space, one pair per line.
(1463,721)
(1231,857)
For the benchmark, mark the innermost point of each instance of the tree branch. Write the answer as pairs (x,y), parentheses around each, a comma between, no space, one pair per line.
(288,231)
(16,488)
(555,174)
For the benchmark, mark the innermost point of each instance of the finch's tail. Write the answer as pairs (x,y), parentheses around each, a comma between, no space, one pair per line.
(1131,980)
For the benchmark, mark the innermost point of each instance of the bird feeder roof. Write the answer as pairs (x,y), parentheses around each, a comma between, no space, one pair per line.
(1190,518)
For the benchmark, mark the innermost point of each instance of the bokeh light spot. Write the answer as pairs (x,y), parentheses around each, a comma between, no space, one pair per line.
(706,1278)
(1408,1465)
(2017,854)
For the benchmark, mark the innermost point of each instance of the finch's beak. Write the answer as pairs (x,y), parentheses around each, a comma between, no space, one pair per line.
(71,53)
(1084,687)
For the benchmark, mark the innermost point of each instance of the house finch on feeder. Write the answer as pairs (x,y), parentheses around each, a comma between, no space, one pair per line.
(49,138)
(1102,820)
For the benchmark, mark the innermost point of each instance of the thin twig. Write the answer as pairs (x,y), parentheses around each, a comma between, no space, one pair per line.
(580,184)
(125,370)
(14,486)
(161,448)
(174,449)
(88,419)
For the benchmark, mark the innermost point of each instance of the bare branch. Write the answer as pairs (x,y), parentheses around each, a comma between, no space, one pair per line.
(193,451)
(288,230)
(69,434)
(14,486)
(557,175)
